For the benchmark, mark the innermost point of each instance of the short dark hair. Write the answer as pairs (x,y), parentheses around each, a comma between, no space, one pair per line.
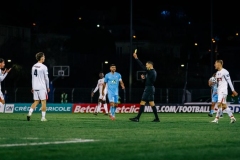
(112,65)
(150,62)
(39,55)
(2,60)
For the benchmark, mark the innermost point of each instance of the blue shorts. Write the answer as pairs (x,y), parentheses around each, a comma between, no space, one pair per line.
(112,98)
(215,98)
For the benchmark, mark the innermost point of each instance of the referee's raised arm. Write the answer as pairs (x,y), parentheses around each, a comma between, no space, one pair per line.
(139,62)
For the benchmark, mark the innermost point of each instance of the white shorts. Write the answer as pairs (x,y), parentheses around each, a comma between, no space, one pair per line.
(1,95)
(222,98)
(40,95)
(102,97)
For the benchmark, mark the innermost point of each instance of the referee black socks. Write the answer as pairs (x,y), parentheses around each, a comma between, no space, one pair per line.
(141,110)
(155,112)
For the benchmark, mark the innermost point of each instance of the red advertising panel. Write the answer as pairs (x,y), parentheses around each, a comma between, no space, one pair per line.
(91,107)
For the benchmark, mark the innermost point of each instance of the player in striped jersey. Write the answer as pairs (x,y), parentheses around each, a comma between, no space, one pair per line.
(40,85)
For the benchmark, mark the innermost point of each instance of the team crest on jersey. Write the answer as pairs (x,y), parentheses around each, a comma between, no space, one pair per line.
(114,81)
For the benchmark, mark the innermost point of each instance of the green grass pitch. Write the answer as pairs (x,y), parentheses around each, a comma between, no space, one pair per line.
(178,136)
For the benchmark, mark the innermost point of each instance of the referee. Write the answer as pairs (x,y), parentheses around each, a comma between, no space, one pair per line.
(149,91)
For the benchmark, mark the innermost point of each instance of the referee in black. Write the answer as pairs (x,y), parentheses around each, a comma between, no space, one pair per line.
(149,91)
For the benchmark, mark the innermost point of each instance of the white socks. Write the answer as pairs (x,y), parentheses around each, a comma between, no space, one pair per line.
(229,112)
(105,107)
(219,111)
(99,107)
(30,111)
(43,114)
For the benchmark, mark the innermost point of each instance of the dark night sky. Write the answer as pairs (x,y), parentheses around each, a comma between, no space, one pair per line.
(62,11)
(60,14)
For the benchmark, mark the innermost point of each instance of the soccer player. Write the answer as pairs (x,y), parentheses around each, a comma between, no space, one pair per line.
(3,75)
(149,91)
(212,82)
(40,85)
(101,98)
(223,80)
(111,81)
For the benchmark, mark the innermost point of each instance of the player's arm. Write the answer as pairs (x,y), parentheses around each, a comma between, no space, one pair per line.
(122,84)
(4,74)
(210,83)
(47,83)
(47,80)
(95,90)
(103,88)
(228,79)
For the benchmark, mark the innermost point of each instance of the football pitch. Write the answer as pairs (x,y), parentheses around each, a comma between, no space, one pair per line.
(85,136)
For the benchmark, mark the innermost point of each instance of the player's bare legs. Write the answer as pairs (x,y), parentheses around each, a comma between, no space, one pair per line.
(2,102)
(44,108)
(221,108)
(33,106)
(227,109)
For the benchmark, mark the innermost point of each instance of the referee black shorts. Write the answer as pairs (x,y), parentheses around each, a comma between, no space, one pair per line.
(148,94)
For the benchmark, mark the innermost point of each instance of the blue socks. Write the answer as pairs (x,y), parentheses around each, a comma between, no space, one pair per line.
(212,111)
(112,111)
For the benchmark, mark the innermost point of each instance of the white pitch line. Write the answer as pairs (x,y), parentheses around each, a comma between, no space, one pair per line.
(47,143)
(30,138)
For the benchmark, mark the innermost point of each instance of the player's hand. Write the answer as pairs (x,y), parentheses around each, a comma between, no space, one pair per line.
(32,90)
(235,93)
(143,76)
(123,87)
(210,83)
(135,54)
(92,94)
(48,90)
(8,70)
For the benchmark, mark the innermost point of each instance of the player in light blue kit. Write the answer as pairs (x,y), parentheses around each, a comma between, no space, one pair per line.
(212,82)
(112,79)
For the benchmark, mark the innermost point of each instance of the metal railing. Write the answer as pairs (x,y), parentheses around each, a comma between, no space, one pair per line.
(83,95)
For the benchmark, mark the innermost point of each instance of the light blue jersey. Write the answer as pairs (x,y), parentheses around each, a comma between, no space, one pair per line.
(112,81)
(214,93)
